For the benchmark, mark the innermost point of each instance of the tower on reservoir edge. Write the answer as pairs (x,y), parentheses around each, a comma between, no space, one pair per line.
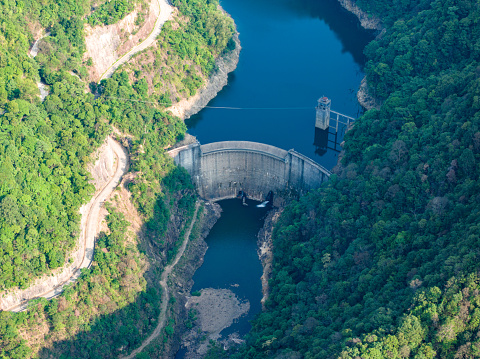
(323,113)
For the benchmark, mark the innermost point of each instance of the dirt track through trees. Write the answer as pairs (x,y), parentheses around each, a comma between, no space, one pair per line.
(51,286)
(165,12)
(165,294)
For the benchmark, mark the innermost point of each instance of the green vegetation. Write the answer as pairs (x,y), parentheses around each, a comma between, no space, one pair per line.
(44,150)
(43,181)
(111,286)
(114,294)
(382,261)
(110,12)
(43,147)
(186,52)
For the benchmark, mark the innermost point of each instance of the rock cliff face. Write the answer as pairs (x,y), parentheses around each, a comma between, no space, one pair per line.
(225,64)
(367,21)
(265,249)
(365,99)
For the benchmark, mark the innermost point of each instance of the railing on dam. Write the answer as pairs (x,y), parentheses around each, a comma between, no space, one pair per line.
(221,169)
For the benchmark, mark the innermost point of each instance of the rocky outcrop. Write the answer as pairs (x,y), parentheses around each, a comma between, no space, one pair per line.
(42,87)
(367,21)
(265,249)
(224,64)
(108,48)
(216,309)
(365,99)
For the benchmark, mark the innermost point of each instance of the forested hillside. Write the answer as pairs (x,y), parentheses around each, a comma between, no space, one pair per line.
(44,152)
(43,147)
(382,262)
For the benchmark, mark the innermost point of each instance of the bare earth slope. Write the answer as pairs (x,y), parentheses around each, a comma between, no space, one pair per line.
(164,11)
(107,172)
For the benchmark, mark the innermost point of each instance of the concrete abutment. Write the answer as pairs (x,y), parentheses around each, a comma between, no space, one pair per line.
(221,169)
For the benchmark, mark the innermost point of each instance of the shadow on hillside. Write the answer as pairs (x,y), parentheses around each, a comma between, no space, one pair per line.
(119,329)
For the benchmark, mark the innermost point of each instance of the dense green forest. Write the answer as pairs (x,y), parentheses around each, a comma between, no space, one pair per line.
(44,151)
(382,262)
(44,147)
(110,12)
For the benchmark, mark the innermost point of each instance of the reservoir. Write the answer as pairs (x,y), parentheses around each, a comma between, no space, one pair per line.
(293,52)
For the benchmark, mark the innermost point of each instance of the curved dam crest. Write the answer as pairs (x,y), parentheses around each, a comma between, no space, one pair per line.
(221,169)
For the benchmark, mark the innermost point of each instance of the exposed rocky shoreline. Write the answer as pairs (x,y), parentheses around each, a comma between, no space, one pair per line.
(214,310)
(368,22)
(365,99)
(182,284)
(265,249)
(224,65)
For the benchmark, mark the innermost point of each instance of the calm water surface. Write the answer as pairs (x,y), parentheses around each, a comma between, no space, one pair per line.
(231,260)
(293,52)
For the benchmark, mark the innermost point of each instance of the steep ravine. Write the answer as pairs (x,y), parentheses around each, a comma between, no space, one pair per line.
(194,254)
(182,282)
(187,108)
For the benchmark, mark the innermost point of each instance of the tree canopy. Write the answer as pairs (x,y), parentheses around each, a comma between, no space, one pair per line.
(382,262)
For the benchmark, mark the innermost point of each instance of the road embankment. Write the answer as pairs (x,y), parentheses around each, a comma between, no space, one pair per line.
(111,166)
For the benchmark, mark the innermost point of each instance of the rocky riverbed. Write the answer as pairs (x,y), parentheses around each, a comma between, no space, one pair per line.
(213,311)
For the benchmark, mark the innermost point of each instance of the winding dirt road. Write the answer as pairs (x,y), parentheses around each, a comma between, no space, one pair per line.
(42,87)
(165,293)
(165,13)
(51,286)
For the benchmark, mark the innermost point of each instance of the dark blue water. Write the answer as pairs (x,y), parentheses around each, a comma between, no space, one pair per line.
(231,260)
(293,52)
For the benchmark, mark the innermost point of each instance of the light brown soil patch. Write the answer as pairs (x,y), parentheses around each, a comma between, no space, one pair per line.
(107,43)
(216,309)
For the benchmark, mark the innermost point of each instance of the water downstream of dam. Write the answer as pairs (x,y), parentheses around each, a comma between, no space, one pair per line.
(293,52)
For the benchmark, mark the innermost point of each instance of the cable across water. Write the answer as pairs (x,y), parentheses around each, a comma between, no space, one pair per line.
(218,107)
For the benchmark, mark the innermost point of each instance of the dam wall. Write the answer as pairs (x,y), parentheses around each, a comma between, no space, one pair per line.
(221,169)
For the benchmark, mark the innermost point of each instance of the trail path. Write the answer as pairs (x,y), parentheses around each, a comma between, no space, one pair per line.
(34,50)
(43,88)
(51,286)
(165,294)
(165,13)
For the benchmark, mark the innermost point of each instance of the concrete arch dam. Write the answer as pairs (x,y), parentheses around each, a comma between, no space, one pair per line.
(221,169)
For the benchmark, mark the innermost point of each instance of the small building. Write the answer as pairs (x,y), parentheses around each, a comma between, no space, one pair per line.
(323,113)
